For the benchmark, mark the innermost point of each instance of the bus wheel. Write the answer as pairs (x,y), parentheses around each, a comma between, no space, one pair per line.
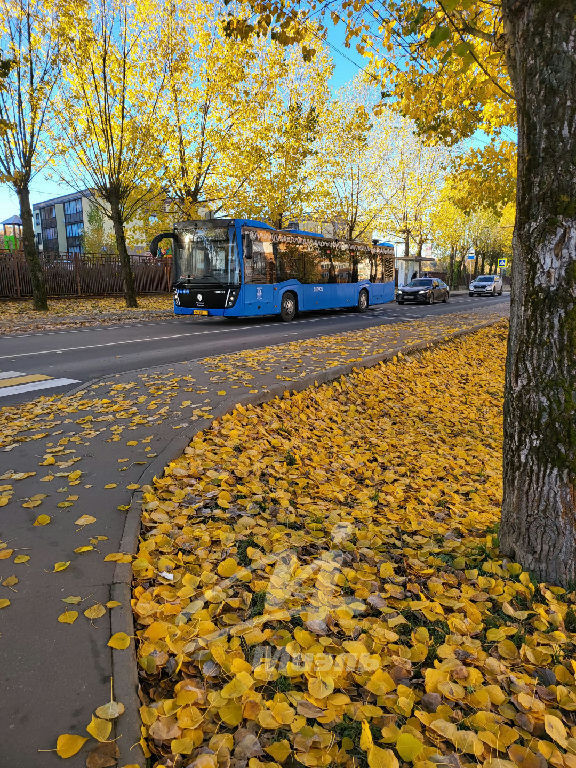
(288,307)
(363,301)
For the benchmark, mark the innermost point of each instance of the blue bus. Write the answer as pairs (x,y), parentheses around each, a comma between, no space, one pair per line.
(245,268)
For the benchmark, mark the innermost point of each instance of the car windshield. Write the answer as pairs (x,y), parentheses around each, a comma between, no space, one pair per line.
(421,282)
(485,279)
(209,254)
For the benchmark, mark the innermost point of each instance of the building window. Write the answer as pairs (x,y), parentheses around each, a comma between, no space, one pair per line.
(37,218)
(48,212)
(51,233)
(74,230)
(39,238)
(73,206)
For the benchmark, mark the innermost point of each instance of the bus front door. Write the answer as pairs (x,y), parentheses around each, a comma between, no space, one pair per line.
(259,299)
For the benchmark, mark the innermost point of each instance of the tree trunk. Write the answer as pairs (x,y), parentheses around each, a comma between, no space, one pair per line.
(407,250)
(30,252)
(127,274)
(461,271)
(539,506)
(451,268)
(419,245)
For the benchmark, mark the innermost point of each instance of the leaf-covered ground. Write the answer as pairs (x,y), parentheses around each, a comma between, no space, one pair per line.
(319,583)
(19,316)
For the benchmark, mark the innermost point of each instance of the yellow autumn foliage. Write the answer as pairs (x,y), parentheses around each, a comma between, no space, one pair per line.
(336,586)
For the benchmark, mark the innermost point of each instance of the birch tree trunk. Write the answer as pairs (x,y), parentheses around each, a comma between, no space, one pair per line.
(539,506)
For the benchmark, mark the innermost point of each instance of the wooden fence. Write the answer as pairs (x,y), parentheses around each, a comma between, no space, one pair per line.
(85,274)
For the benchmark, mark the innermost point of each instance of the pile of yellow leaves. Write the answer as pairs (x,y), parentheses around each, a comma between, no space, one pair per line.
(20,316)
(319,584)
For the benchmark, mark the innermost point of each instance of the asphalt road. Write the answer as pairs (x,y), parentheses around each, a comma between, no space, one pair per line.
(56,361)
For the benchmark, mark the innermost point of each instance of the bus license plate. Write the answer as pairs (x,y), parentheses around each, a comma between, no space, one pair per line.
(200,312)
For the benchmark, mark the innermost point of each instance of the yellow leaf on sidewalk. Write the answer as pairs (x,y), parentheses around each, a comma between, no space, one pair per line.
(68,617)
(120,641)
(68,744)
(99,729)
(95,611)
(85,520)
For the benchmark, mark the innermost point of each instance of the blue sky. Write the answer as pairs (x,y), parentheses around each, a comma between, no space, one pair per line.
(43,188)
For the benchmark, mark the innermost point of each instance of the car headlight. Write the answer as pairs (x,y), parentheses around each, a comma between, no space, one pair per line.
(422,291)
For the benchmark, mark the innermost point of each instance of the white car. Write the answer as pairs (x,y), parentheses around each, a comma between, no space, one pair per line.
(486,285)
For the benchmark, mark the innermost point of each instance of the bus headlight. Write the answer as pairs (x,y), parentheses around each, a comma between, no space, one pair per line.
(232,296)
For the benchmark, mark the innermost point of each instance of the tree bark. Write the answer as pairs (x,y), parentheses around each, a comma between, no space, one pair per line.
(451,268)
(127,274)
(461,273)
(407,250)
(539,505)
(39,296)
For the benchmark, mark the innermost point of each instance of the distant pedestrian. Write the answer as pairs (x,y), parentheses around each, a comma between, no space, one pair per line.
(414,275)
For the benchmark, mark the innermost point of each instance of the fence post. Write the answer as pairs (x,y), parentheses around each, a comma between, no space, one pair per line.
(77,274)
(16,262)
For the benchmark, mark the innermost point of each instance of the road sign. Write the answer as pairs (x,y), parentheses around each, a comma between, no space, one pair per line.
(471,256)
(502,262)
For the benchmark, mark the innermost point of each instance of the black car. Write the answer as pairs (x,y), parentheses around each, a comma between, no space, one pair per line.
(423,290)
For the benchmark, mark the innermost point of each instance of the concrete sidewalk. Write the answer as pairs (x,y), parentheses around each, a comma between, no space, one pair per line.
(87,454)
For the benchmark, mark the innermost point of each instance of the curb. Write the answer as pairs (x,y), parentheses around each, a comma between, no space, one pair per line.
(125,667)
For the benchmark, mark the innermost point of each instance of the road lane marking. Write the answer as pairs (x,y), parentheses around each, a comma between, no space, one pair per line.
(16,383)
(9,374)
(23,378)
(34,386)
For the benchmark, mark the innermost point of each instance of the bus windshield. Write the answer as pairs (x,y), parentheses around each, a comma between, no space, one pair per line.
(208,254)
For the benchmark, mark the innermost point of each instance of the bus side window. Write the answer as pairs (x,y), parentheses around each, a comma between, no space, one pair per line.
(280,263)
(247,246)
(259,262)
(328,267)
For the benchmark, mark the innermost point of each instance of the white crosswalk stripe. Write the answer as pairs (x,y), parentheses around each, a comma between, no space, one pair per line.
(16,383)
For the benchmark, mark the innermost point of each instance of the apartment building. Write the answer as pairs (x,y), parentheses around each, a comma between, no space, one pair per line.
(59,223)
